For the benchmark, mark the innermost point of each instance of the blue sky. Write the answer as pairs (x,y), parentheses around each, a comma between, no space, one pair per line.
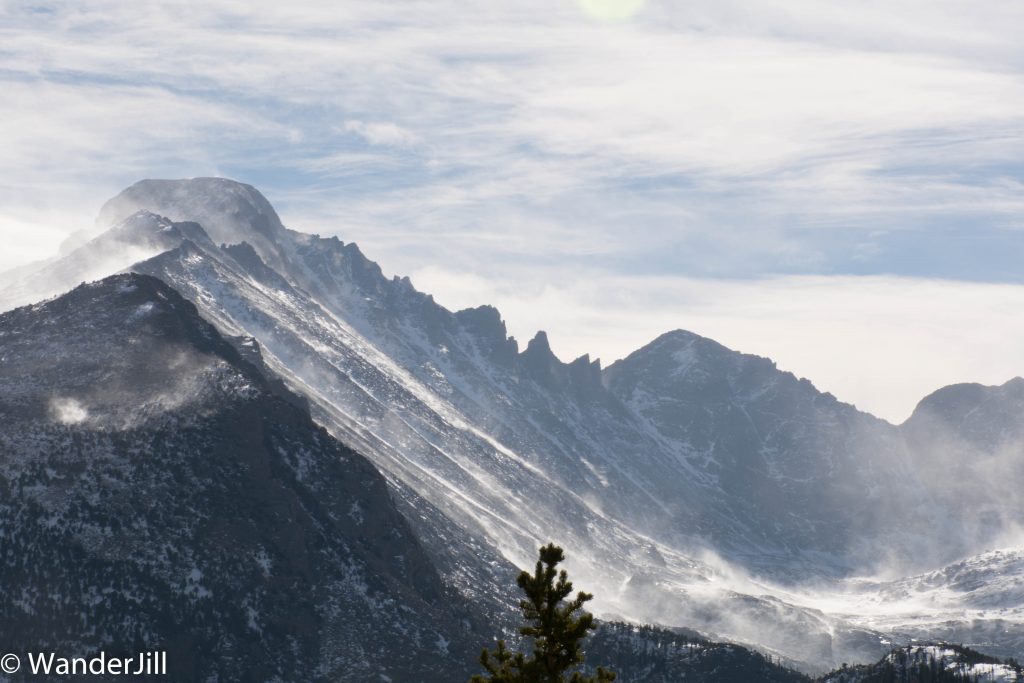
(835,184)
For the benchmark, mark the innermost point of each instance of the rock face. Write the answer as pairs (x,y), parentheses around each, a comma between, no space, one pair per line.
(670,477)
(158,492)
(772,447)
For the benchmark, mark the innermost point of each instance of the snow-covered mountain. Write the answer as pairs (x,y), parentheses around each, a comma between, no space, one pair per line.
(691,485)
(793,475)
(161,491)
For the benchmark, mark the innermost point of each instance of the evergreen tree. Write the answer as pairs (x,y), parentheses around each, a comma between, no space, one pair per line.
(555,626)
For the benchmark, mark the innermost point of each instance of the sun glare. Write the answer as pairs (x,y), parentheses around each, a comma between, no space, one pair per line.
(611,10)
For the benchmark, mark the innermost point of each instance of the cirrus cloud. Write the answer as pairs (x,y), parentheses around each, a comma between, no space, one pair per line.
(711,141)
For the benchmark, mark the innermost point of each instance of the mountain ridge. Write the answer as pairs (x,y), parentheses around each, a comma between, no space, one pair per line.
(671,479)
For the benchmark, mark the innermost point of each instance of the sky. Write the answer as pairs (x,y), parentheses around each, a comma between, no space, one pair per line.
(835,185)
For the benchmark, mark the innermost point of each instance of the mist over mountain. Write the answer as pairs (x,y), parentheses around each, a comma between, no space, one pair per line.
(691,485)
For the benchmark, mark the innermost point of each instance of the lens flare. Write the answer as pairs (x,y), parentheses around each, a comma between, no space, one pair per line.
(611,10)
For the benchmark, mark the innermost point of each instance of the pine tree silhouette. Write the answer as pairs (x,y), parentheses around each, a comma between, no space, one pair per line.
(554,626)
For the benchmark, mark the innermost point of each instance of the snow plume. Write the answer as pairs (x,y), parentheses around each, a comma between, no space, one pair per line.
(180,378)
(56,276)
(968,442)
(68,411)
(173,378)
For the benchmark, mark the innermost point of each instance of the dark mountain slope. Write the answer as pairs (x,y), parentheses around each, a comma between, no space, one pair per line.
(158,492)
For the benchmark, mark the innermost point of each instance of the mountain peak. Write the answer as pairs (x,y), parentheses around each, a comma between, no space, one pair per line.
(102,315)
(538,360)
(539,344)
(680,353)
(145,219)
(147,229)
(676,339)
(229,211)
(985,417)
(958,401)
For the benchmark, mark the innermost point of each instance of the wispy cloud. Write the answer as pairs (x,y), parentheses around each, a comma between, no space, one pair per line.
(631,140)
(380,132)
